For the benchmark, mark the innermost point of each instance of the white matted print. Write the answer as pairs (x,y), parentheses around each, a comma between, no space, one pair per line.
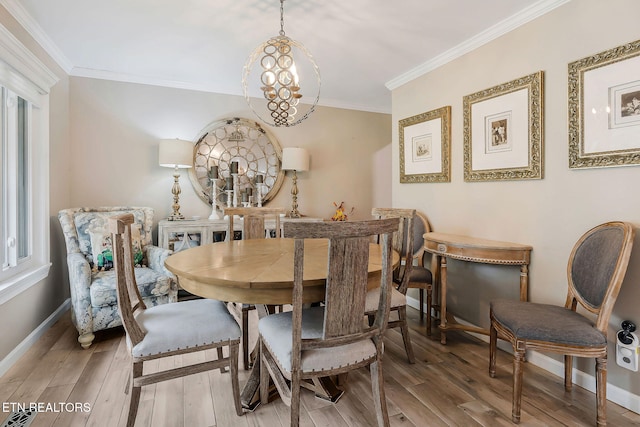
(492,151)
(604,108)
(503,131)
(425,148)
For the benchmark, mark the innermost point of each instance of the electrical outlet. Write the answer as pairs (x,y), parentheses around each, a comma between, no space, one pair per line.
(627,347)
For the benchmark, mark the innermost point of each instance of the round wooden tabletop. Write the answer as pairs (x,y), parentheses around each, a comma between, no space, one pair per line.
(258,271)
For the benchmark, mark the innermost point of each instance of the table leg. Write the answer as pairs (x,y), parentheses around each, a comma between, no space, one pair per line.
(443,299)
(524,282)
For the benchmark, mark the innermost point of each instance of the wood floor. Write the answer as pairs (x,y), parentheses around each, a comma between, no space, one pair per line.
(448,386)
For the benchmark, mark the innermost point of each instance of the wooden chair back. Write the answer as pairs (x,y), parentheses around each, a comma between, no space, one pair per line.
(596,269)
(253,221)
(402,242)
(347,278)
(421,225)
(129,299)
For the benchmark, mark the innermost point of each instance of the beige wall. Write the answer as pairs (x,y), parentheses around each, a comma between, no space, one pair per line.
(549,214)
(116,127)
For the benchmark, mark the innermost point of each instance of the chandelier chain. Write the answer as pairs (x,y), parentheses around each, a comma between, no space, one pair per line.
(282,17)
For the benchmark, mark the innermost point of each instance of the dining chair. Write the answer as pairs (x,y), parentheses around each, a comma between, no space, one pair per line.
(254,226)
(254,221)
(169,329)
(596,268)
(305,344)
(402,242)
(421,277)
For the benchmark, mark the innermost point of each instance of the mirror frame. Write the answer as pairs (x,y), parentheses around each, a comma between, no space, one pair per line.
(255,149)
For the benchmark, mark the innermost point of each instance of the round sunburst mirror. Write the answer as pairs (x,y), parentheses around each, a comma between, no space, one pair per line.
(258,155)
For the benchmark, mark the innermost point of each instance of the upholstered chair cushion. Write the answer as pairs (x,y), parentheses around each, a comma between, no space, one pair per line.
(276,335)
(594,263)
(420,274)
(530,321)
(150,283)
(373,299)
(183,325)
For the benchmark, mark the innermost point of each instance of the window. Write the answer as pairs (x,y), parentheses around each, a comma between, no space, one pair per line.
(16,213)
(24,163)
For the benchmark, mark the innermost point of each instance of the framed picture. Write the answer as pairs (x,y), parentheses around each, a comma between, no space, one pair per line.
(503,131)
(604,108)
(425,147)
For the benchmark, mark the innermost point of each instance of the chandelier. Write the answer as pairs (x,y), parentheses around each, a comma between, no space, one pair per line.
(272,71)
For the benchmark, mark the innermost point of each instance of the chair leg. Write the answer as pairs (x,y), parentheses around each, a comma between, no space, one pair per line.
(295,399)
(245,338)
(601,391)
(493,342)
(568,371)
(223,369)
(429,304)
(264,376)
(136,372)
(421,297)
(518,367)
(404,328)
(235,386)
(379,398)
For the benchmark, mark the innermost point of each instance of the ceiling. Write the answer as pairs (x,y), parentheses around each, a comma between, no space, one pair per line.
(363,48)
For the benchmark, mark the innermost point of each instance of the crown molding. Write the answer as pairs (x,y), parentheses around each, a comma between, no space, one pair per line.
(31,26)
(503,27)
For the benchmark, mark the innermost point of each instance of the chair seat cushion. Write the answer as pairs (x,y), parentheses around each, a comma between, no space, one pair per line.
(373,299)
(276,333)
(549,323)
(420,275)
(103,286)
(183,325)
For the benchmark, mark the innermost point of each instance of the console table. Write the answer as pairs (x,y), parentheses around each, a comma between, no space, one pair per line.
(471,249)
(187,233)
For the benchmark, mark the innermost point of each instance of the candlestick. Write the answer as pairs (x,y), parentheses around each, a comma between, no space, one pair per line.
(234,167)
(235,186)
(214,195)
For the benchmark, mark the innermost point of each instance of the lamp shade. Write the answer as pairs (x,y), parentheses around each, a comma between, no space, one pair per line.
(294,158)
(175,153)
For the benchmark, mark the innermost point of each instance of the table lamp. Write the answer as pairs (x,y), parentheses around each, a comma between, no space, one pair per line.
(295,159)
(177,154)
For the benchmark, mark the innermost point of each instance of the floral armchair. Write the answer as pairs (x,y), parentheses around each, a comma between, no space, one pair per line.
(92,282)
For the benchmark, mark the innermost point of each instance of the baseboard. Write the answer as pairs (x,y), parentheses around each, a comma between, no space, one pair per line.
(615,394)
(22,348)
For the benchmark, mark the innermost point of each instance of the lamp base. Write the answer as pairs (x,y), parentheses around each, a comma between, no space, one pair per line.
(174,217)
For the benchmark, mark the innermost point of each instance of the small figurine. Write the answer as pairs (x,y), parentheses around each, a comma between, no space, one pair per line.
(340,215)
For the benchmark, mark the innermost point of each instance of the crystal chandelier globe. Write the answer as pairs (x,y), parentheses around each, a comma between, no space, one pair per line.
(283,72)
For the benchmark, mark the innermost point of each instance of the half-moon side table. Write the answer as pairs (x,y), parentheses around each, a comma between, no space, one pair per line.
(465,248)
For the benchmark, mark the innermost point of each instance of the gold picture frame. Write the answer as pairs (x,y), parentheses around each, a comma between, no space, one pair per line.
(604,108)
(503,131)
(425,147)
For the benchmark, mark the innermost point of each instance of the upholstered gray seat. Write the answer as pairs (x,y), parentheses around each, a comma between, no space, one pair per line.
(275,330)
(184,325)
(597,266)
(539,322)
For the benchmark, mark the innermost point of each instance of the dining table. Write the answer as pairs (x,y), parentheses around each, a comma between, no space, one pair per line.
(260,272)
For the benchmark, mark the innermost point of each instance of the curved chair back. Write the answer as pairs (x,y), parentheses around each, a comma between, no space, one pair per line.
(596,268)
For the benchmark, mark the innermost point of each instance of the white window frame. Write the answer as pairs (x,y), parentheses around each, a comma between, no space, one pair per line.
(24,74)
